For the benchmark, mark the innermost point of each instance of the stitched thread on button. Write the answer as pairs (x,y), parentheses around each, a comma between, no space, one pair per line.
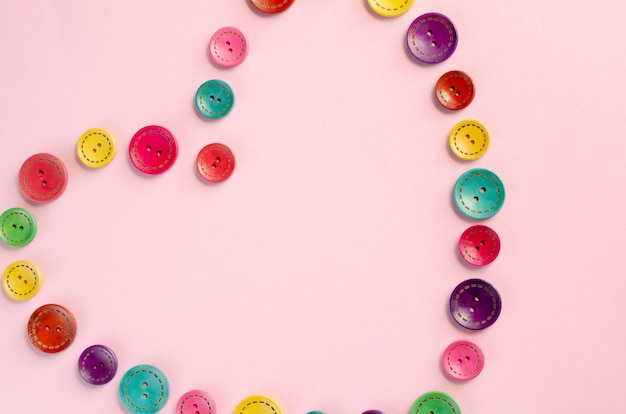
(216,53)
(272,6)
(456,134)
(86,371)
(208,403)
(258,402)
(395,8)
(450,42)
(493,298)
(34,332)
(34,285)
(460,373)
(495,204)
(54,190)
(156,404)
(439,399)
(86,156)
(169,155)
(226,107)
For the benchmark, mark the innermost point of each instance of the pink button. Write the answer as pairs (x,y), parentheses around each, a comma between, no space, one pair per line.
(153,149)
(463,360)
(196,402)
(479,245)
(228,47)
(43,177)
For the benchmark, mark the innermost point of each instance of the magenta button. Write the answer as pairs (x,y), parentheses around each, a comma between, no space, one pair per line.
(97,364)
(479,245)
(228,47)
(153,149)
(432,38)
(196,402)
(463,360)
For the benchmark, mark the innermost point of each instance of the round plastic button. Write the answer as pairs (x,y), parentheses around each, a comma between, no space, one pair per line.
(272,6)
(479,193)
(144,389)
(469,140)
(475,304)
(435,403)
(196,402)
(214,99)
(432,38)
(463,360)
(43,177)
(95,148)
(373,412)
(17,227)
(257,404)
(21,280)
(455,90)
(52,328)
(153,149)
(97,364)
(479,245)
(390,8)
(215,162)
(228,47)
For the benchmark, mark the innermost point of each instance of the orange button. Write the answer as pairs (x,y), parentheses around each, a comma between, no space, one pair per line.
(455,90)
(52,328)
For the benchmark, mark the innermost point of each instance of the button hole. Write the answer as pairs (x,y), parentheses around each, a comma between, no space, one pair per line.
(159,153)
(476,298)
(47,327)
(460,361)
(472,309)
(467,358)
(458,93)
(148,148)
(228,42)
(219,100)
(429,33)
(145,385)
(476,199)
(44,183)
(144,396)
(230,50)
(433,43)
(40,173)
(211,98)
(58,329)
(452,88)
(483,190)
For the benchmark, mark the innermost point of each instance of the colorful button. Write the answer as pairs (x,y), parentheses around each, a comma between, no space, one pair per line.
(469,140)
(215,162)
(43,177)
(463,360)
(21,280)
(455,90)
(196,402)
(153,149)
(228,47)
(51,328)
(390,8)
(17,227)
(432,38)
(435,403)
(373,412)
(272,6)
(475,304)
(97,364)
(479,193)
(257,404)
(214,99)
(479,245)
(144,389)
(95,148)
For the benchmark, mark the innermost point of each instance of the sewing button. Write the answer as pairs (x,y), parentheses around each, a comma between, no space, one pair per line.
(215,162)
(469,140)
(51,328)
(153,149)
(97,364)
(272,6)
(196,402)
(43,177)
(21,280)
(463,360)
(228,47)
(479,245)
(435,403)
(373,412)
(144,389)
(390,8)
(475,304)
(95,148)
(432,38)
(257,404)
(214,99)
(17,227)
(479,193)
(455,90)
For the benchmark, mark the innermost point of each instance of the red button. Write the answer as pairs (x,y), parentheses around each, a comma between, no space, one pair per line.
(463,360)
(153,149)
(52,328)
(43,177)
(479,245)
(272,6)
(228,47)
(215,162)
(455,90)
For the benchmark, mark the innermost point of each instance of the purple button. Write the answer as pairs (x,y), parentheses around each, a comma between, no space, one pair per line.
(97,364)
(475,304)
(479,245)
(432,38)
(373,412)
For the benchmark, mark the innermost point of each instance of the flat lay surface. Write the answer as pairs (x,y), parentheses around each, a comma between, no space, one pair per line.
(311,257)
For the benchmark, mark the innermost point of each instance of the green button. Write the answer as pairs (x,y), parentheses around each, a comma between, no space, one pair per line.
(17,227)
(435,403)
(144,389)
(479,193)
(214,98)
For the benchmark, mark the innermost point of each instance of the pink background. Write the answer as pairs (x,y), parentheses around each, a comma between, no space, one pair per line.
(319,273)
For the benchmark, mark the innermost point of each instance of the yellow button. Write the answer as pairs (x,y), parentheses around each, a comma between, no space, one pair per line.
(390,8)
(469,140)
(96,148)
(257,404)
(21,280)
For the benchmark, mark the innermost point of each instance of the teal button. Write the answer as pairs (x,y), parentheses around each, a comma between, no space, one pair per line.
(214,99)
(479,193)
(144,389)
(435,403)
(17,227)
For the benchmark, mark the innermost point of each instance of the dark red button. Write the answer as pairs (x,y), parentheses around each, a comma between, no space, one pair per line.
(475,304)
(479,245)
(97,364)
(43,177)
(153,149)
(52,328)
(215,162)
(455,90)
(271,6)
